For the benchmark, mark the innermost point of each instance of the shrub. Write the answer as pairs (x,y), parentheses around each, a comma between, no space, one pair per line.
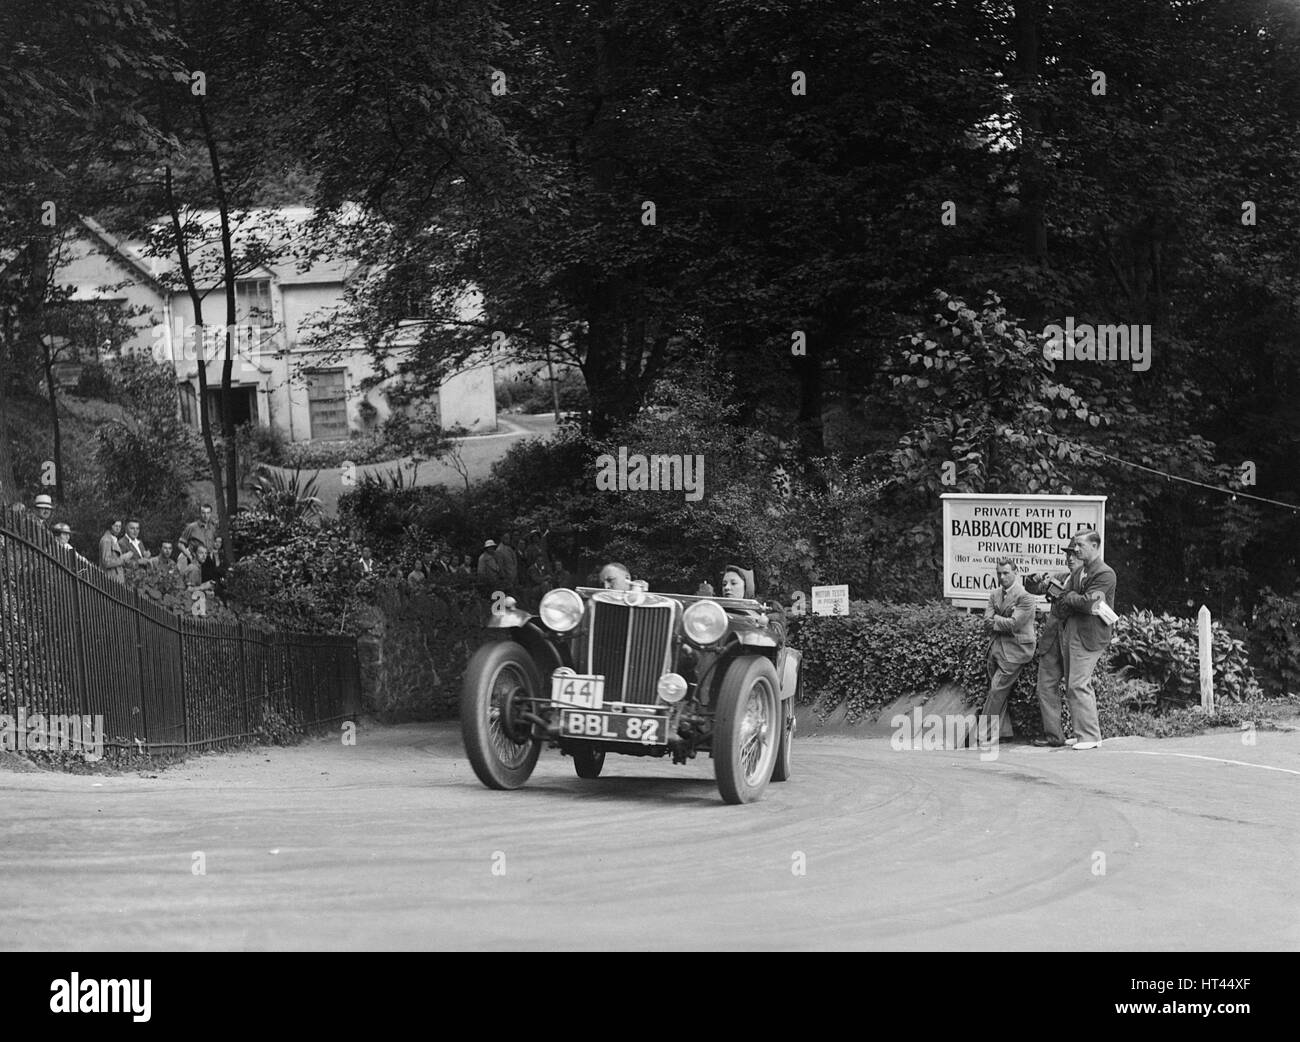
(168,590)
(147,456)
(361,448)
(399,522)
(265,444)
(532,393)
(429,633)
(254,531)
(1275,633)
(1163,650)
(880,652)
(1127,706)
(287,497)
(302,580)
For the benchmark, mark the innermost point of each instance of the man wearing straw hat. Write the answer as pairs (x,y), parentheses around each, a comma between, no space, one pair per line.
(43,507)
(63,541)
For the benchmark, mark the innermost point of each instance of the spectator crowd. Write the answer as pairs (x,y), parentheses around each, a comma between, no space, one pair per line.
(517,563)
(196,558)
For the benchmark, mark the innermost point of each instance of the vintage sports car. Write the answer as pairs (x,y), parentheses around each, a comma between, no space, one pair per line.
(637,673)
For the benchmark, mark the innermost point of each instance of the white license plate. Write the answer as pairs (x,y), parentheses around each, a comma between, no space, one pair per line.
(577,689)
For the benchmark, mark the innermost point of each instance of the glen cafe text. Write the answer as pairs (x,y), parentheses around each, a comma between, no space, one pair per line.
(1031,530)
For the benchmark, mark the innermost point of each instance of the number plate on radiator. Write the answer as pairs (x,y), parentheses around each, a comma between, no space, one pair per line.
(577,689)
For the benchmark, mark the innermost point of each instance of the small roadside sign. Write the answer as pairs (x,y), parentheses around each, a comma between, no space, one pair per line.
(830,600)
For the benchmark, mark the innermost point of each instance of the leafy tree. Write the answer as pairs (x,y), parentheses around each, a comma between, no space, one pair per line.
(68,75)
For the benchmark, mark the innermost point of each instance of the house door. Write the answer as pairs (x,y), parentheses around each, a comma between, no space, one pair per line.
(328,404)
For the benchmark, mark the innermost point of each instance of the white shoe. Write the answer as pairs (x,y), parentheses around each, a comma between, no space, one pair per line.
(1086,745)
(1071,741)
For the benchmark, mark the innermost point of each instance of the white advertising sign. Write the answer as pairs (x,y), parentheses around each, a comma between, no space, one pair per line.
(830,600)
(1031,530)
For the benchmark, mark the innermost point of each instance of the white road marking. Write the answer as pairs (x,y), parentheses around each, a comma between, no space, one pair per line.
(1216,759)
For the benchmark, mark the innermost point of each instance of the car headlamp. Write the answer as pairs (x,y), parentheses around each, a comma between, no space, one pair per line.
(561,610)
(704,623)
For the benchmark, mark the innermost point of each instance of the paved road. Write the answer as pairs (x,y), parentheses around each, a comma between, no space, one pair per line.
(478,452)
(392,844)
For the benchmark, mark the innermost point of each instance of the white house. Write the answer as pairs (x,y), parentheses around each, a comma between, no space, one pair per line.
(282,376)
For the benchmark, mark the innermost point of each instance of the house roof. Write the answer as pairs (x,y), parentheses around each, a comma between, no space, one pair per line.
(283,228)
(124,252)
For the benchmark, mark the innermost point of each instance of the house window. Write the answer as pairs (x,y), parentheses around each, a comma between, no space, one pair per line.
(253,302)
(416,305)
(189,404)
(327,402)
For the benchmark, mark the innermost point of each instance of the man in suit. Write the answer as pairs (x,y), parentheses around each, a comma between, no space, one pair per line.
(1051,660)
(1009,617)
(134,555)
(489,564)
(508,558)
(1084,637)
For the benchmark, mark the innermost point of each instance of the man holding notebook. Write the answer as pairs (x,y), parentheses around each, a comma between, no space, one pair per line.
(1088,605)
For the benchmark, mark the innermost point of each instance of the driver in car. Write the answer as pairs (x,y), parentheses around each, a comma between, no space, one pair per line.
(616,576)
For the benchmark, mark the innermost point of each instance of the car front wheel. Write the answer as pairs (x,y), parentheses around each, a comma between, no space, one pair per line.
(500,681)
(746,729)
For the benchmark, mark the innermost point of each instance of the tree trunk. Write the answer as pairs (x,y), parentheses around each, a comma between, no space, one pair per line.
(9,494)
(9,491)
(54,421)
(811,431)
(227,368)
(196,299)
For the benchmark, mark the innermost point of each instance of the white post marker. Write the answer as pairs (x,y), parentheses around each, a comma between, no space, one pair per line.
(1207,660)
(830,600)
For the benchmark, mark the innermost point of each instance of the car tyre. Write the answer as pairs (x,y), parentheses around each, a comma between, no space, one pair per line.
(746,727)
(588,762)
(785,746)
(501,748)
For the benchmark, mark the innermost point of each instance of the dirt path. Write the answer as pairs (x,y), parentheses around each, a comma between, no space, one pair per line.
(393,844)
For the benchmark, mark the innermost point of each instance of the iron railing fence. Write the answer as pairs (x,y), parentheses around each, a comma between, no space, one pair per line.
(76,642)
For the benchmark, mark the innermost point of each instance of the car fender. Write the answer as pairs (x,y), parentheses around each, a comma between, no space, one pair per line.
(733,650)
(541,647)
(508,618)
(788,663)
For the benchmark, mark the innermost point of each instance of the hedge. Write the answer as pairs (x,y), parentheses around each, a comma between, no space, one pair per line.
(880,652)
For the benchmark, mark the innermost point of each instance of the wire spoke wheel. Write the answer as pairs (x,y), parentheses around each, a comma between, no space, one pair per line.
(508,696)
(755,735)
(500,683)
(746,729)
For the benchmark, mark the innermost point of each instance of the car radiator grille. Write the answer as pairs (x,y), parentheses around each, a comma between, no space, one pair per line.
(629,646)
